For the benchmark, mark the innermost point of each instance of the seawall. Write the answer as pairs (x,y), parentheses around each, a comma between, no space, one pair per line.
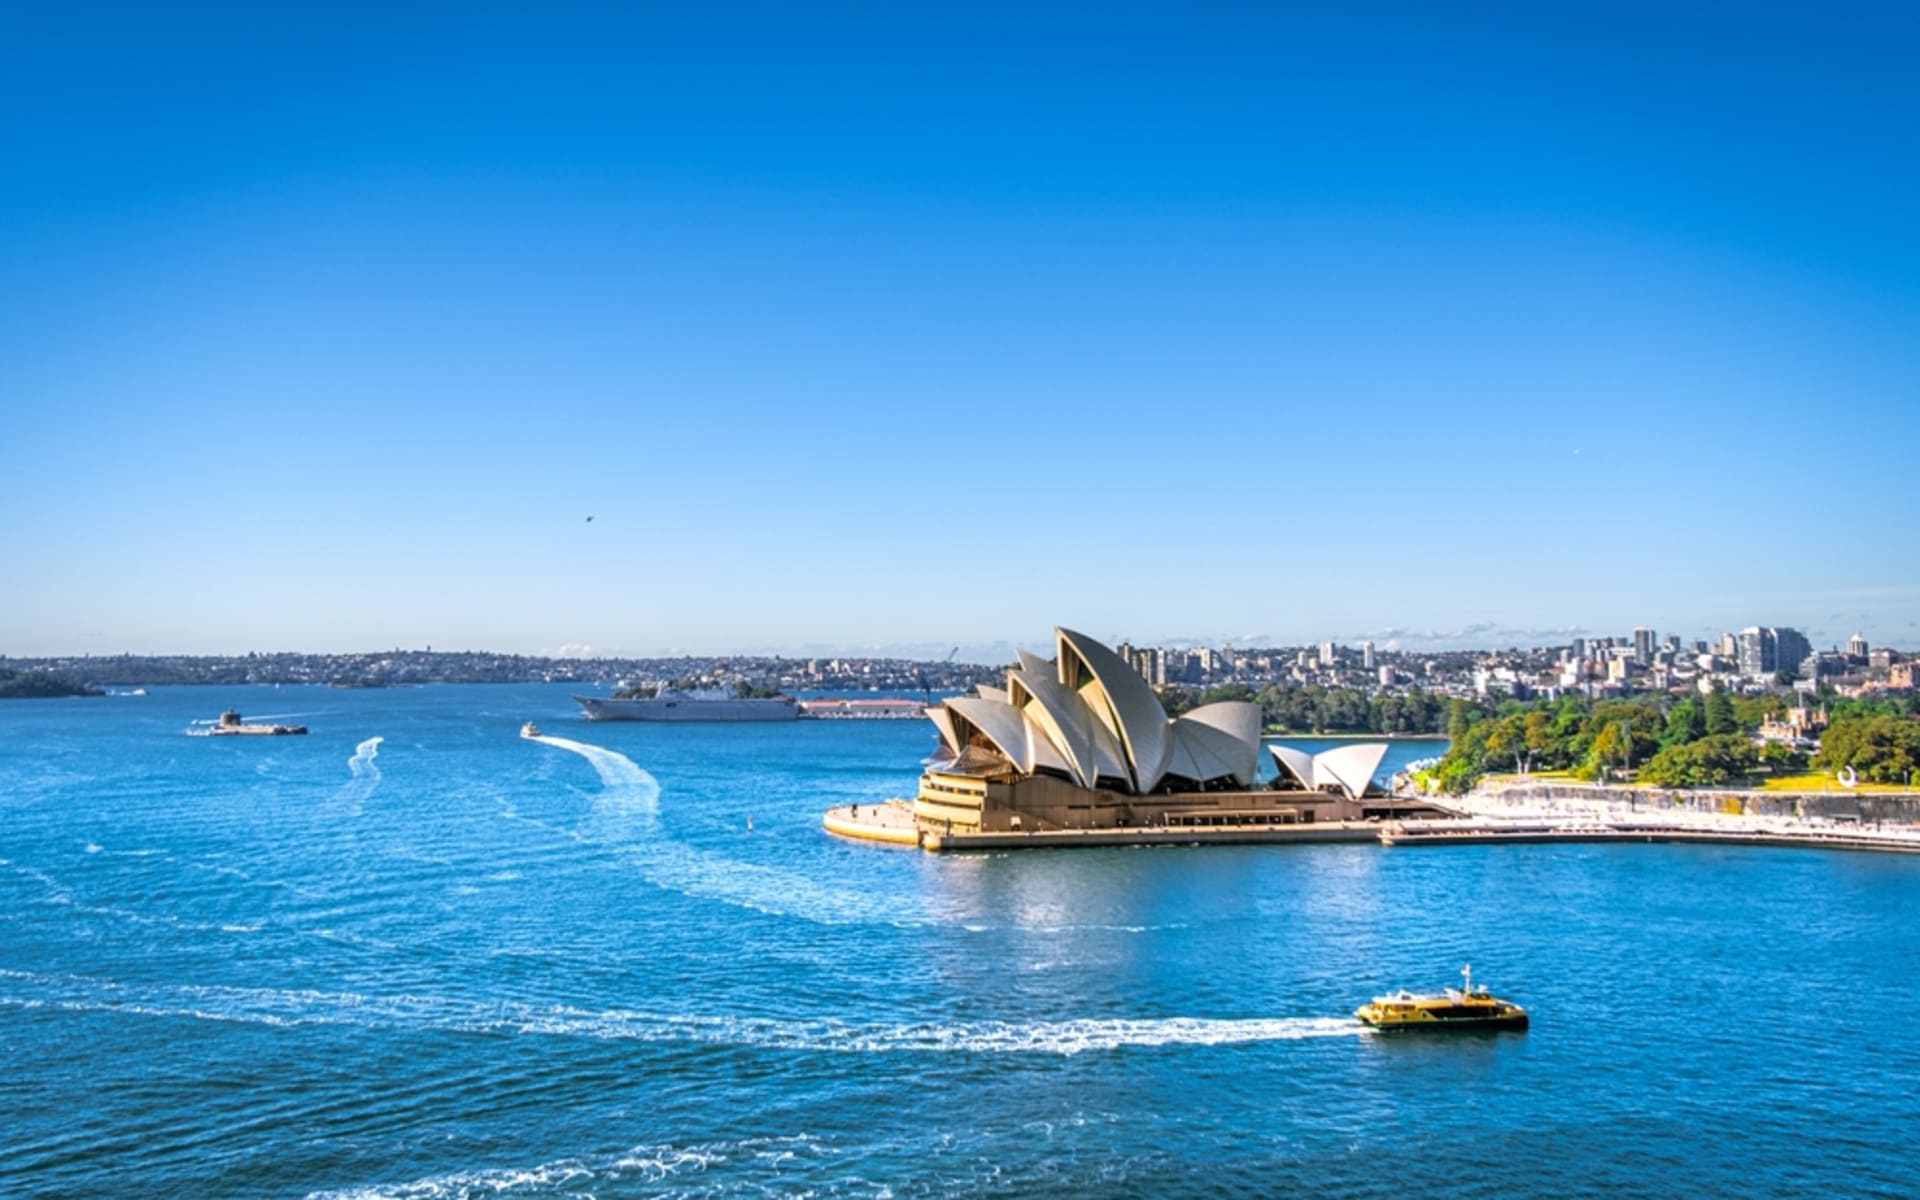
(1864,808)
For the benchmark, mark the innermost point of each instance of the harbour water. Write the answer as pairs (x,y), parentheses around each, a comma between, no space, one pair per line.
(416,955)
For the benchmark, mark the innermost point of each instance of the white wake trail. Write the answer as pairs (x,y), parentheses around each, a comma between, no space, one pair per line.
(365,776)
(281,1008)
(626,789)
(627,815)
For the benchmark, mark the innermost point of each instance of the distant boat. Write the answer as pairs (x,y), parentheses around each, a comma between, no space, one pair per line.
(706,704)
(529,730)
(231,725)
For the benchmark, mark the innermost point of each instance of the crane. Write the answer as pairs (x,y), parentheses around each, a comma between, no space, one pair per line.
(927,688)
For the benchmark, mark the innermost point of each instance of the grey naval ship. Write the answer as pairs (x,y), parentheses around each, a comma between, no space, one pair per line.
(704,704)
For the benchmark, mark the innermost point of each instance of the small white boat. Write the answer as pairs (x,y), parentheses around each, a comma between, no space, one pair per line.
(529,730)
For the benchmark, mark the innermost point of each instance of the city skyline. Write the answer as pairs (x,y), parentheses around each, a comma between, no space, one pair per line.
(859,330)
(1480,639)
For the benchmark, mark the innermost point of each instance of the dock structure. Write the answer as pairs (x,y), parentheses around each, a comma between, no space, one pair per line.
(1482,831)
(894,823)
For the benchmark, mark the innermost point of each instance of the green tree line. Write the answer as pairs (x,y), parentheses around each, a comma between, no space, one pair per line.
(1317,709)
(1697,741)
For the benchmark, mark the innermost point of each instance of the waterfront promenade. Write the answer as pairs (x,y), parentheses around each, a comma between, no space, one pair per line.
(1482,820)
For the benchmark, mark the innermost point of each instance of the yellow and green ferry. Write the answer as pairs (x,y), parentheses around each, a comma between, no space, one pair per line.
(1464,1007)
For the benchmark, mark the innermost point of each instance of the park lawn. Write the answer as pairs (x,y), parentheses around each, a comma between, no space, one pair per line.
(1821,781)
(1510,776)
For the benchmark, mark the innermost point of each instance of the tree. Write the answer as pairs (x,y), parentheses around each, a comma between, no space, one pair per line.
(1605,750)
(1507,742)
(1619,734)
(1685,723)
(1750,711)
(1781,757)
(1539,738)
(1457,720)
(1884,749)
(1705,763)
(1719,715)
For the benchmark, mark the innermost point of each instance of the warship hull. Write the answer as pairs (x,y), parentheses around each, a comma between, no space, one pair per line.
(671,708)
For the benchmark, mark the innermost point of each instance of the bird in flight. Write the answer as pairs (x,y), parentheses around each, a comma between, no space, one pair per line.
(589,520)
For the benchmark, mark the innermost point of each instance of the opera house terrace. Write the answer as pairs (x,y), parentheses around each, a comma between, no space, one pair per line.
(1078,748)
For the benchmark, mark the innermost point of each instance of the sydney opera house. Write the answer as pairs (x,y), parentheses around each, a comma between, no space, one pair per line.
(1081,741)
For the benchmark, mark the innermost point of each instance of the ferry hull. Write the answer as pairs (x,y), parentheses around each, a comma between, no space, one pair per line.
(1436,1024)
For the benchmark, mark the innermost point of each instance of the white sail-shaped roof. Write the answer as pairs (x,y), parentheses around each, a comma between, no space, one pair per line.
(1089,716)
(1238,721)
(1351,766)
(1039,699)
(1131,708)
(943,721)
(1297,763)
(1200,754)
(1033,664)
(1000,723)
(1203,754)
(1091,751)
(1043,753)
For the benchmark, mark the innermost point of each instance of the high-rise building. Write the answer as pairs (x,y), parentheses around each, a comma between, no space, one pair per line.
(1765,651)
(1856,647)
(1792,649)
(1327,653)
(1643,643)
(1366,655)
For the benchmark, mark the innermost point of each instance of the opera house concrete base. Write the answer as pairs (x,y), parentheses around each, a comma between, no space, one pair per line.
(890,823)
(1178,835)
(893,824)
(951,803)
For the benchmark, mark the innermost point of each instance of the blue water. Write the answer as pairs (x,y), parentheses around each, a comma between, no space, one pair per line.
(453,963)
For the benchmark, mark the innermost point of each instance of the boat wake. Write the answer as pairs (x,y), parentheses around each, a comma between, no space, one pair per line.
(366,776)
(570,1176)
(287,1008)
(627,791)
(626,815)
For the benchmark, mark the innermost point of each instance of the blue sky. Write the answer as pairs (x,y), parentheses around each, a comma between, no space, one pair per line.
(913,326)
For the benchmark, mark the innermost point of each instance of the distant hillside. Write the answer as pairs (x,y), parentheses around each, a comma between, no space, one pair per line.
(15,685)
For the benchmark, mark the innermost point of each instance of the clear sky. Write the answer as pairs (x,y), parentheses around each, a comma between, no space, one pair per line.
(920,325)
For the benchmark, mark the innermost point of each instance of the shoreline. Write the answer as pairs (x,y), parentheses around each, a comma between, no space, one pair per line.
(1353,737)
(892,824)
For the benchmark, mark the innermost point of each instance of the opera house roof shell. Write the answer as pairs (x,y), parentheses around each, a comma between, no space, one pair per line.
(1346,768)
(1087,716)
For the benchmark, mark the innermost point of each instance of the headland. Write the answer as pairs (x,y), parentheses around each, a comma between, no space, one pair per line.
(1077,750)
